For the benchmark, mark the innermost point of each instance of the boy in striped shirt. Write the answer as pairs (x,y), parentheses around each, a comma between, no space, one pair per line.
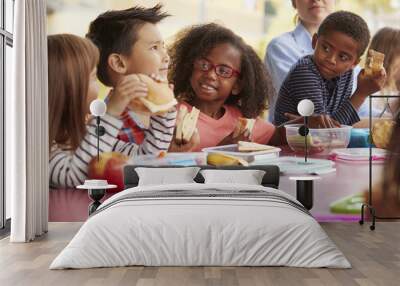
(326,77)
(130,43)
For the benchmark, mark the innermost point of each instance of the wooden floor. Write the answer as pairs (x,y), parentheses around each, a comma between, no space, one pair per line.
(375,257)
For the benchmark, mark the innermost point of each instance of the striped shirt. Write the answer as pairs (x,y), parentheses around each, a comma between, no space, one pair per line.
(331,97)
(130,131)
(70,168)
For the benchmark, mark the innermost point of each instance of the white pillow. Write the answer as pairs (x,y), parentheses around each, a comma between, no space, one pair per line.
(163,176)
(249,177)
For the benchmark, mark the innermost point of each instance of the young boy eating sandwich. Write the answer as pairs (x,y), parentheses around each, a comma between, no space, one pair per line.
(326,77)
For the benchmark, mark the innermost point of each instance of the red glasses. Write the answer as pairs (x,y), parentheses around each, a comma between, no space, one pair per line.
(223,71)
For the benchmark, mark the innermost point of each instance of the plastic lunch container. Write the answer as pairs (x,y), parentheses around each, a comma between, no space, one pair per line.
(172,159)
(320,141)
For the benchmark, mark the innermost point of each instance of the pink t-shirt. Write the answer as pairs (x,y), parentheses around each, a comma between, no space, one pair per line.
(212,131)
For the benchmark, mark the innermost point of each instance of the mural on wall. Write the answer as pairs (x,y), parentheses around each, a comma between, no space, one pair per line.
(186,97)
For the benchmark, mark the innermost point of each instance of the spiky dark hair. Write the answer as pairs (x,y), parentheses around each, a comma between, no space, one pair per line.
(115,31)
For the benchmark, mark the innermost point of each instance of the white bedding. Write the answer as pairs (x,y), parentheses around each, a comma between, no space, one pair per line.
(183,231)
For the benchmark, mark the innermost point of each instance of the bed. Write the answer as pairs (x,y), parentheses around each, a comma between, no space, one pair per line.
(201,224)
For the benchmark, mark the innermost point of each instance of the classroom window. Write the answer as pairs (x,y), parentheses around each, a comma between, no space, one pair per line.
(6,60)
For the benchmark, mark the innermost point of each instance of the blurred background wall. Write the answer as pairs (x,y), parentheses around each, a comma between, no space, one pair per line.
(257,21)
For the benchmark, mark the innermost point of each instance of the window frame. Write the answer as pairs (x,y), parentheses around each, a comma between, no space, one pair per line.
(6,39)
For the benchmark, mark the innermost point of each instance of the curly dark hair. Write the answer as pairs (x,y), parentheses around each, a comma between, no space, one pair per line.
(196,42)
(349,24)
(116,32)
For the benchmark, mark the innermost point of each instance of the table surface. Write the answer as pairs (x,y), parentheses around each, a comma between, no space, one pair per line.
(350,178)
(70,204)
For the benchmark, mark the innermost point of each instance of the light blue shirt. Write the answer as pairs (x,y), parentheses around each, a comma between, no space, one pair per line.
(283,52)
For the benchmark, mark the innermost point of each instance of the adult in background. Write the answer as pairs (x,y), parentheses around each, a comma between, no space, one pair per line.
(285,50)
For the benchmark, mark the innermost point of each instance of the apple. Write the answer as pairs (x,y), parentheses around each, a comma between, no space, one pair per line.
(109,167)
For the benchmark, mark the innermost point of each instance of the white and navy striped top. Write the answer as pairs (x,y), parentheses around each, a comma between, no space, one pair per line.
(331,97)
(70,168)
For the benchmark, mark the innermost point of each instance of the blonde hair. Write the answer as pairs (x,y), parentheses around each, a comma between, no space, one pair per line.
(71,59)
(387,41)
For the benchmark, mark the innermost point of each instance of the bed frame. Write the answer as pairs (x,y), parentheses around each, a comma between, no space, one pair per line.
(270,179)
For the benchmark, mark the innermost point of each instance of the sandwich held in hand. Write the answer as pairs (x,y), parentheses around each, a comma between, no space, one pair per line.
(160,97)
(244,146)
(186,123)
(243,125)
(374,62)
(220,159)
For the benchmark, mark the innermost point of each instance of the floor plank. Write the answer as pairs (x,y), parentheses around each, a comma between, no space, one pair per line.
(375,257)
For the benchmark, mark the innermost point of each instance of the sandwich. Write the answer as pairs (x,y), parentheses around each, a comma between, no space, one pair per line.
(244,146)
(186,123)
(374,62)
(160,98)
(244,124)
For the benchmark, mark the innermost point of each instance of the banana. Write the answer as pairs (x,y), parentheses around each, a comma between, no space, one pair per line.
(220,159)
(299,140)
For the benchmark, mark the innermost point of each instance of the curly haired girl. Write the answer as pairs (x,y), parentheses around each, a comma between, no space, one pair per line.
(215,71)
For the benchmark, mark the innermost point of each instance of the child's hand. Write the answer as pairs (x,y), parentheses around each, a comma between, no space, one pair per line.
(367,85)
(182,146)
(315,121)
(127,89)
(236,136)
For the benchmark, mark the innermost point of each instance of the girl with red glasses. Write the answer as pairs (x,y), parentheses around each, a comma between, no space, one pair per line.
(215,71)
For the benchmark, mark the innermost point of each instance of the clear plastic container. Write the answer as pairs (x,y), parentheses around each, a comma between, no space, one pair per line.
(171,159)
(319,141)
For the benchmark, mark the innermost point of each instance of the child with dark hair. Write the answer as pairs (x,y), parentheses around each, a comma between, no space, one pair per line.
(130,43)
(326,77)
(215,71)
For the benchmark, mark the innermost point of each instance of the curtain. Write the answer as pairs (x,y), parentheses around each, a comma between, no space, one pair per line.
(27,122)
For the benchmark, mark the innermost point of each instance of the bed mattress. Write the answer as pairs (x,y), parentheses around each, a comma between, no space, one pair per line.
(201,225)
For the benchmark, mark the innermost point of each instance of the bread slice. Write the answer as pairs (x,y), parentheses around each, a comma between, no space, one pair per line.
(160,98)
(181,116)
(155,108)
(250,124)
(243,124)
(244,146)
(374,62)
(186,123)
(189,124)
